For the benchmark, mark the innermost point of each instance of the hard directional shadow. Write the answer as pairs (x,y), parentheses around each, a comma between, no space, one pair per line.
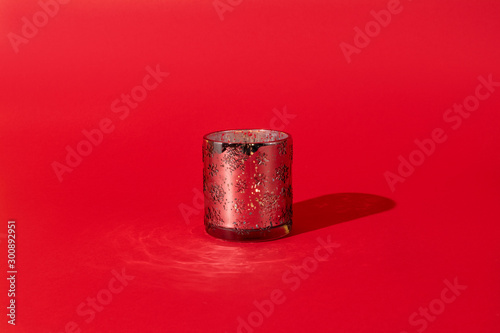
(331,209)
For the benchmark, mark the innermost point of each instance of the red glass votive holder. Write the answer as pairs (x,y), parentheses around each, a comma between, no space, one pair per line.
(247,184)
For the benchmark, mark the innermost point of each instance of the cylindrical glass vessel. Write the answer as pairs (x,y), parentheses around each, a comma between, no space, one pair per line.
(247,184)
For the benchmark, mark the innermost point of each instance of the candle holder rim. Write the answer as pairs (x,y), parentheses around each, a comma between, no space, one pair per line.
(288,137)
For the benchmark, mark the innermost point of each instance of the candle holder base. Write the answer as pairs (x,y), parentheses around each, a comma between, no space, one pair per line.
(249,235)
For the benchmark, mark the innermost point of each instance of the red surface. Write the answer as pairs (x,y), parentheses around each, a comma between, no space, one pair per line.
(119,208)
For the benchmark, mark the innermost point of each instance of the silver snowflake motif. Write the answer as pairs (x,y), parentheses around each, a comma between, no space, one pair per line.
(234,158)
(241,185)
(239,223)
(210,149)
(286,215)
(269,203)
(287,191)
(212,217)
(212,169)
(260,179)
(241,227)
(217,193)
(239,205)
(262,159)
(282,173)
(282,148)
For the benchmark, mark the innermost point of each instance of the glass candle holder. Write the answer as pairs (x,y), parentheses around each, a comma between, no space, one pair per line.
(247,184)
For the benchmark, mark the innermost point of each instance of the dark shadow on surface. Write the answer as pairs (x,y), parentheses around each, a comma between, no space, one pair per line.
(331,209)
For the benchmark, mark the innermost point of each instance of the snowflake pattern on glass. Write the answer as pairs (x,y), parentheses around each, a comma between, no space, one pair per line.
(269,203)
(213,217)
(286,214)
(241,185)
(238,205)
(234,158)
(239,223)
(212,169)
(282,173)
(210,149)
(287,191)
(217,193)
(282,148)
(262,159)
(260,179)
(241,227)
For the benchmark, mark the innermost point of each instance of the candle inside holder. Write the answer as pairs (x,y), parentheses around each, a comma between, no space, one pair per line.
(247,184)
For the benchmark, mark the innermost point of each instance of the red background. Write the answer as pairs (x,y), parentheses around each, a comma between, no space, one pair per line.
(120,208)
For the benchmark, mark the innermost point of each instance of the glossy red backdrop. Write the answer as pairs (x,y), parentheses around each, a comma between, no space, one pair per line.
(394,111)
